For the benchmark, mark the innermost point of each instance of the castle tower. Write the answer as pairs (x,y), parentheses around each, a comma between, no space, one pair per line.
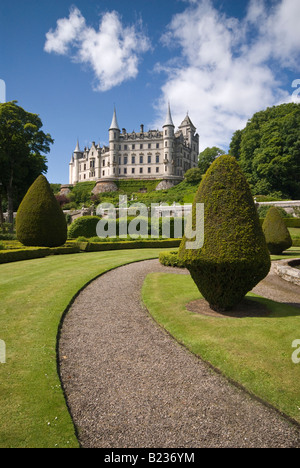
(114,139)
(168,142)
(78,154)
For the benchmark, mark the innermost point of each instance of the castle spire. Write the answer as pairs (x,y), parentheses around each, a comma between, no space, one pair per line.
(77,149)
(114,124)
(169,120)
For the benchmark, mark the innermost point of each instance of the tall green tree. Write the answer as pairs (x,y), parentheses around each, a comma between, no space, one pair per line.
(268,150)
(23,146)
(208,156)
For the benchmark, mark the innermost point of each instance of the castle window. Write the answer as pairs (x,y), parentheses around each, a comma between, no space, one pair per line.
(157,158)
(149,145)
(115,135)
(103,173)
(166,143)
(120,162)
(133,170)
(141,159)
(125,159)
(125,170)
(157,145)
(157,170)
(141,146)
(84,167)
(133,160)
(133,147)
(149,159)
(103,162)
(125,147)
(149,170)
(141,170)
(166,132)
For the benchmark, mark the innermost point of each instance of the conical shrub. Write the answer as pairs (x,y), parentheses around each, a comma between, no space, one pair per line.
(40,220)
(234,256)
(276,233)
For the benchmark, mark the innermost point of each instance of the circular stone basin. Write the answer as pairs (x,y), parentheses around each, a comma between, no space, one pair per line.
(289,270)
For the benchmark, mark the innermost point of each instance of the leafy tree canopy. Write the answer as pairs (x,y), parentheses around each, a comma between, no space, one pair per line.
(193,175)
(207,157)
(23,146)
(268,150)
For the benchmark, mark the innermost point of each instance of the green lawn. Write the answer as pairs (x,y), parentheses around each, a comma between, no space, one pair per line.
(34,294)
(255,352)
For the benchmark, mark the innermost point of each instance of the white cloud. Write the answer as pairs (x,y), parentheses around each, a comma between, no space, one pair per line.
(227,67)
(112,51)
(66,33)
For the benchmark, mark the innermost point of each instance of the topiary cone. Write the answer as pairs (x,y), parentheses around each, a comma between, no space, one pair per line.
(40,220)
(277,235)
(234,256)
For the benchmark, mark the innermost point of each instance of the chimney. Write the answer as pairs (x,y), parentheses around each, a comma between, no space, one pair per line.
(142,128)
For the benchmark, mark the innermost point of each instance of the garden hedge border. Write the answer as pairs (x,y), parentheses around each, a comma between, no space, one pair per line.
(146,244)
(30,253)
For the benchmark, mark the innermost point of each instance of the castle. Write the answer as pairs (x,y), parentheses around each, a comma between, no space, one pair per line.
(164,155)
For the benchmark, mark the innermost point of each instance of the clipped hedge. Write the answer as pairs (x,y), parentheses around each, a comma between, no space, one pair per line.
(7,256)
(140,244)
(84,226)
(292,222)
(171,259)
(30,253)
(234,256)
(40,220)
(276,232)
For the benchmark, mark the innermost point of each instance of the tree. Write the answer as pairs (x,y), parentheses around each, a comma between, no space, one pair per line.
(40,220)
(22,144)
(193,175)
(234,256)
(235,145)
(268,150)
(207,157)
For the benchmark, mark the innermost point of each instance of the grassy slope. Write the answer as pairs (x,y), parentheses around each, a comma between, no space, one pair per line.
(256,352)
(34,295)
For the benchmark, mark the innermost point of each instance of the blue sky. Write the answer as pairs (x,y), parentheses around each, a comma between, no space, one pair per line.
(220,60)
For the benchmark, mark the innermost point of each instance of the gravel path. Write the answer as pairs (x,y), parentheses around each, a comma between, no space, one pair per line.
(130,385)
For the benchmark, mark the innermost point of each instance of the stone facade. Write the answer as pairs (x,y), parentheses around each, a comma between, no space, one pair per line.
(154,154)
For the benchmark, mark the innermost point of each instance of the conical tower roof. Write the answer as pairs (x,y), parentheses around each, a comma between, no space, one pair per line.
(169,121)
(77,149)
(114,124)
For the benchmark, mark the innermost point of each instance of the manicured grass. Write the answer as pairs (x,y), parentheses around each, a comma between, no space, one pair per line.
(295,233)
(255,352)
(34,294)
(293,252)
